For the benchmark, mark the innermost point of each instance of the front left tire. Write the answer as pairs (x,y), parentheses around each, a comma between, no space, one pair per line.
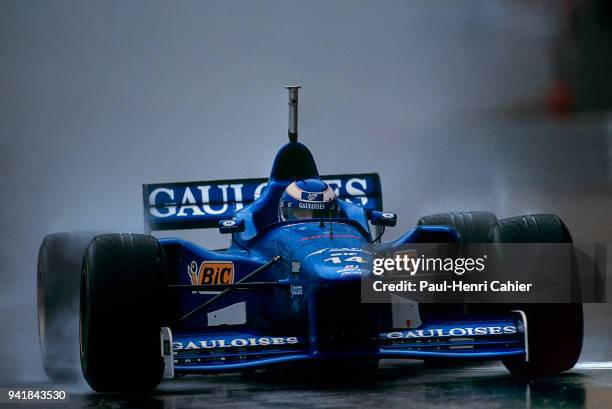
(555,331)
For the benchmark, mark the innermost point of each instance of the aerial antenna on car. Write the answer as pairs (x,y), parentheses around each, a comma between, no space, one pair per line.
(293,112)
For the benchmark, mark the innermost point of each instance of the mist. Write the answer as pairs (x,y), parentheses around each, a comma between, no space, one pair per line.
(98,98)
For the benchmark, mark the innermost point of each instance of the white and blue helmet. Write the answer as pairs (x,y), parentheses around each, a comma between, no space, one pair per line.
(308,199)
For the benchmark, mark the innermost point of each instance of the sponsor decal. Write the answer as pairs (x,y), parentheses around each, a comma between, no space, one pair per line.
(211,272)
(452,332)
(315,206)
(296,290)
(295,266)
(354,187)
(197,200)
(339,259)
(350,269)
(339,251)
(202,199)
(234,343)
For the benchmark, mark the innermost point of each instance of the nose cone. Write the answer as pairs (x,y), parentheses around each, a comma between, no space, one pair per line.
(338,252)
(330,262)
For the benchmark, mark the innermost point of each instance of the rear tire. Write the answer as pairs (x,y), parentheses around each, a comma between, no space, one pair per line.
(123,287)
(60,259)
(473,227)
(555,331)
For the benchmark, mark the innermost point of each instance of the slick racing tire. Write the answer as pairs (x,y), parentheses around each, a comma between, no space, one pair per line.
(123,285)
(473,227)
(555,331)
(58,275)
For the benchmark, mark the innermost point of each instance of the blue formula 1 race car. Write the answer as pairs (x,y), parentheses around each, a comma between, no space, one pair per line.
(286,291)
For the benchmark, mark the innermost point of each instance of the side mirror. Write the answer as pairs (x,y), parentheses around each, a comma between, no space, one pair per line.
(383,218)
(231,226)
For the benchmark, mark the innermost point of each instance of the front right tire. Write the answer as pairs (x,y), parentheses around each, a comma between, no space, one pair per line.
(123,287)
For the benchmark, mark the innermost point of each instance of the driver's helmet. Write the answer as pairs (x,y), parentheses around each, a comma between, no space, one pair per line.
(308,199)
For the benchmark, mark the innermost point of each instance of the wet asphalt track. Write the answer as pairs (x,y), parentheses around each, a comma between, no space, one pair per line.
(398,384)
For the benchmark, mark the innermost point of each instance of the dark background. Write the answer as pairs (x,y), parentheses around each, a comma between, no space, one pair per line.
(472,105)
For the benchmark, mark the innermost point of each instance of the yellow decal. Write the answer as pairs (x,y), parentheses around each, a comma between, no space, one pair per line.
(211,273)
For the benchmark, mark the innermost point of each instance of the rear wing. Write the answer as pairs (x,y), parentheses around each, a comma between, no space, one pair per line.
(201,205)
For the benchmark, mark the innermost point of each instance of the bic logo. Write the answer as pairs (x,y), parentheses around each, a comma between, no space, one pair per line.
(211,273)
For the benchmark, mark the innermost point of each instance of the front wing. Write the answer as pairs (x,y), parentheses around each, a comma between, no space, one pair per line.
(476,338)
